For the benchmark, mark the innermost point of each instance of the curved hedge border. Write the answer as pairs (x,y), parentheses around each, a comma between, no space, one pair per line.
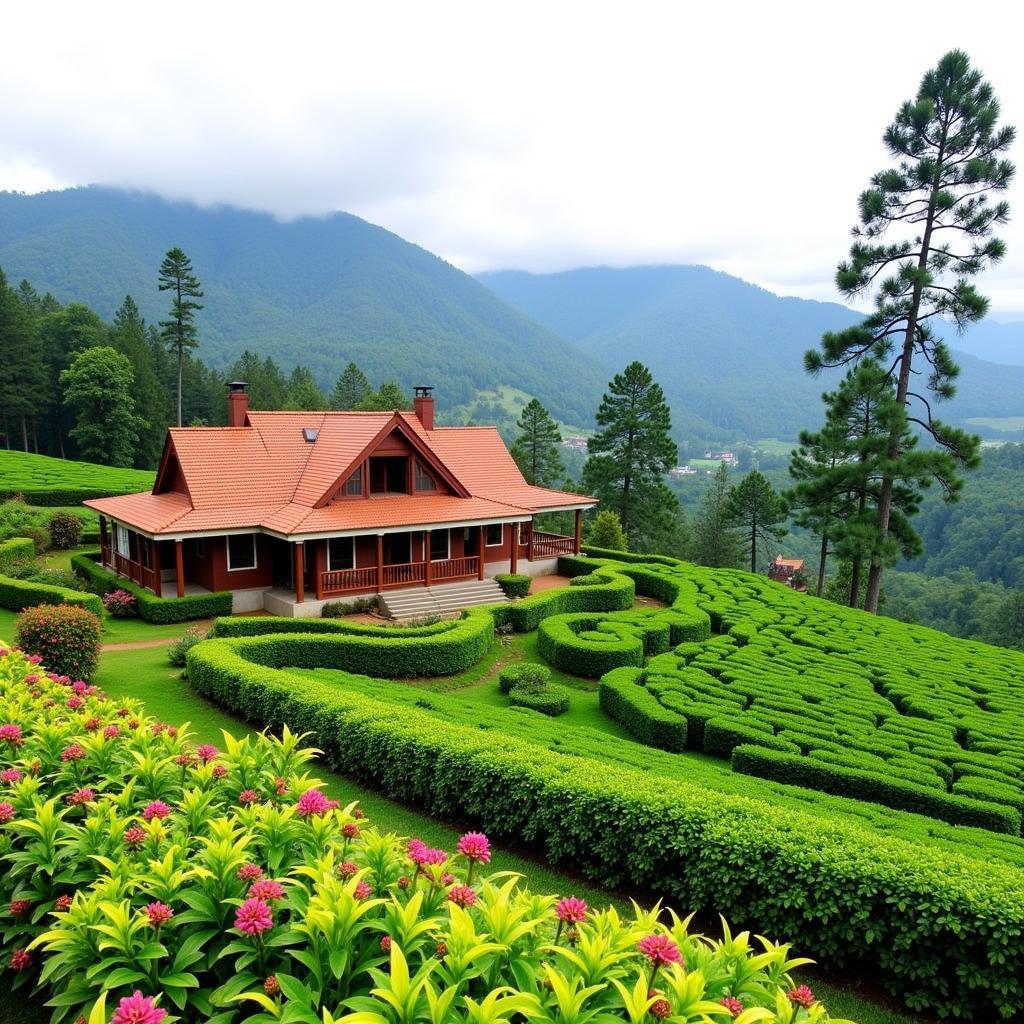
(158,610)
(943,931)
(17,549)
(17,595)
(637,710)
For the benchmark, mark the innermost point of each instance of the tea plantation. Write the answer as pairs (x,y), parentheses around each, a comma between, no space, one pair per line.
(49,482)
(848,781)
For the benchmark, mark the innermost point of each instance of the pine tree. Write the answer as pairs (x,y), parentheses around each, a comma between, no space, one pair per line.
(536,448)
(715,540)
(98,387)
(934,204)
(390,397)
(607,532)
(350,390)
(180,333)
(632,452)
(303,392)
(757,512)
(23,380)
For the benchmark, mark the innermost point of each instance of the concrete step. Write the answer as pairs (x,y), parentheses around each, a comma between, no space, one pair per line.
(419,602)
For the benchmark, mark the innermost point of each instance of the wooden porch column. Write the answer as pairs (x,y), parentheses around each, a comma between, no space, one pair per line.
(104,541)
(380,561)
(514,563)
(157,582)
(480,552)
(300,582)
(318,567)
(179,567)
(578,539)
(529,547)
(426,552)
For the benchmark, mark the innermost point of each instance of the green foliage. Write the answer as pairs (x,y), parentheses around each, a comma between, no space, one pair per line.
(66,638)
(350,390)
(1004,625)
(514,585)
(158,610)
(17,594)
(715,541)
(339,609)
(178,650)
(50,482)
(303,391)
(625,699)
(65,530)
(390,397)
(607,531)
(551,700)
(757,512)
(527,675)
(535,449)
(14,550)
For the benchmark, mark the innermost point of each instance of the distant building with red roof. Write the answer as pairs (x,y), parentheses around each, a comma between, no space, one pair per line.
(329,504)
(789,571)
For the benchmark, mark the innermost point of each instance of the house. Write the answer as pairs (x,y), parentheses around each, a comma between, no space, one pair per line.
(789,571)
(729,458)
(576,442)
(289,509)
(678,471)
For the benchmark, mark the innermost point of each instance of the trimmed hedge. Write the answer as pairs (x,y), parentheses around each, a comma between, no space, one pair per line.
(261,624)
(944,931)
(624,698)
(796,770)
(158,610)
(551,700)
(589,645)
(524,674)
(17,595)
(17,549)
(514,585)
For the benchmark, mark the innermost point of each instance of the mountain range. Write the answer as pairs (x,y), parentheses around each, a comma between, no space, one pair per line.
(323,291)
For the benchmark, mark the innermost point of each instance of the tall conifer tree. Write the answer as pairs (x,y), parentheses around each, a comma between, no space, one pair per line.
(350,390)
(757,512)
(179,332)
(715,541)
(536,448)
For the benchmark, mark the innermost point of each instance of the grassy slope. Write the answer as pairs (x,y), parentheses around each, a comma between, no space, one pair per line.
(23,470)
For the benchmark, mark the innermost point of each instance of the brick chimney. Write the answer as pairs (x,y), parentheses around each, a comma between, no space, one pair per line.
(238,403)
(423,406)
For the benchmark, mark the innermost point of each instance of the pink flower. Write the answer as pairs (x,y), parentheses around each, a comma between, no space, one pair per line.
(733,1005)
(81,796)
(10,732)
(250,872)
(280,786)
(266,890)
(156,728)
(62,903)
(362,891)
(571,910)
(93,723)
(19,907)
(350,830)
(416,848)
(6,812)
(314,802)
(184,759)
(80,687)
(475,846)
(73,753)
(74,703)
(206,752)
(447,878)
(21,960)
(385,943)
(254,917)
(462,896)
(346,869)
(248,796)
(158,914)
(660,948)
(135,836)
(137,1009)
(156,809)
(219,771)
(10,775)
(801,996)
(111,732)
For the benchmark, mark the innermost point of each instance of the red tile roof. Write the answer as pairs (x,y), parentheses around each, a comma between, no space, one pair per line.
(267,476)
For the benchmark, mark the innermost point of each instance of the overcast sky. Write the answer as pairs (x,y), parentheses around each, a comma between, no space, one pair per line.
(529,135)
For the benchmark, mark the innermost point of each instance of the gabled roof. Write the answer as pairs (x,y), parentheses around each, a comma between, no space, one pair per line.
(266,475)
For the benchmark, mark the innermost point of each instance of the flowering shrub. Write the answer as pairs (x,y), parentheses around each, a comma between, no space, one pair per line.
(121,604)
(66,639)
(65,530)
(164,895)
(177,652)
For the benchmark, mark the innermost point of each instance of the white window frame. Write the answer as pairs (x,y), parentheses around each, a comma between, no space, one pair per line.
(352,546)
(501,535)
(255,553)
(122,542)
(447,543)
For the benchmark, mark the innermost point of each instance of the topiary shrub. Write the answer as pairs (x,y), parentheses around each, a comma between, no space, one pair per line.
(551,700)
(65,530)
(67,639)
(526,674)
(514,584)
(607,532)
(120,604)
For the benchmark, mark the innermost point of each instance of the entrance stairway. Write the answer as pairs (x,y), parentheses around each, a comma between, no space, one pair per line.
(419,602)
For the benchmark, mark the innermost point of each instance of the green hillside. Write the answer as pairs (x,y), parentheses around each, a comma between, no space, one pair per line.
(45,481)
(316,291)
(728,353)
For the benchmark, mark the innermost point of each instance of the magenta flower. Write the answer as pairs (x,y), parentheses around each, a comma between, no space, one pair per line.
(219,771)
(158,914)
(74,702)
(156,809)
(571,910)
(475,846)
(733,1005)
(250,872)
(73,753)
(137,1009)
(416,848)
(346,869)
(6,812)
(659,948)
(21,960)
(314,802)
(206,752)
(134,837)
(385,943)
(266,890)
(81,796)
(802,996)
(19,907)
(447,878)
(10,776)
(254,917)
(80,687)
(462,896)
(362,891)
(10,732)
(33,659)
(111,732)
(248,796)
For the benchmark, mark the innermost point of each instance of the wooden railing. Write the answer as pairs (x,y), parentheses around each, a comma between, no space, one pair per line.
(125,566)
(550,545)
(455,568)
(340,580)
(406,575)
(409,574)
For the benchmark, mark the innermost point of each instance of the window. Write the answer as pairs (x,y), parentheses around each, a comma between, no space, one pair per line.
(200,543)
(353,486)
(241,551)
(388,474)
(439,545)
(422,480)
(495,535)
(145,552)
(341,553)
(122,541)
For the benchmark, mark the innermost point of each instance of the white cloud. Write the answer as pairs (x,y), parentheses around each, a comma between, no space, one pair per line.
(532,135)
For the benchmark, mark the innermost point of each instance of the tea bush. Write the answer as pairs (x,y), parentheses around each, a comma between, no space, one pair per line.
(45,481)
(64,638)
(146,873)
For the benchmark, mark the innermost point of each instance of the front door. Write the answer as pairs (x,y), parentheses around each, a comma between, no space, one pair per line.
(283,564)
(397,549)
